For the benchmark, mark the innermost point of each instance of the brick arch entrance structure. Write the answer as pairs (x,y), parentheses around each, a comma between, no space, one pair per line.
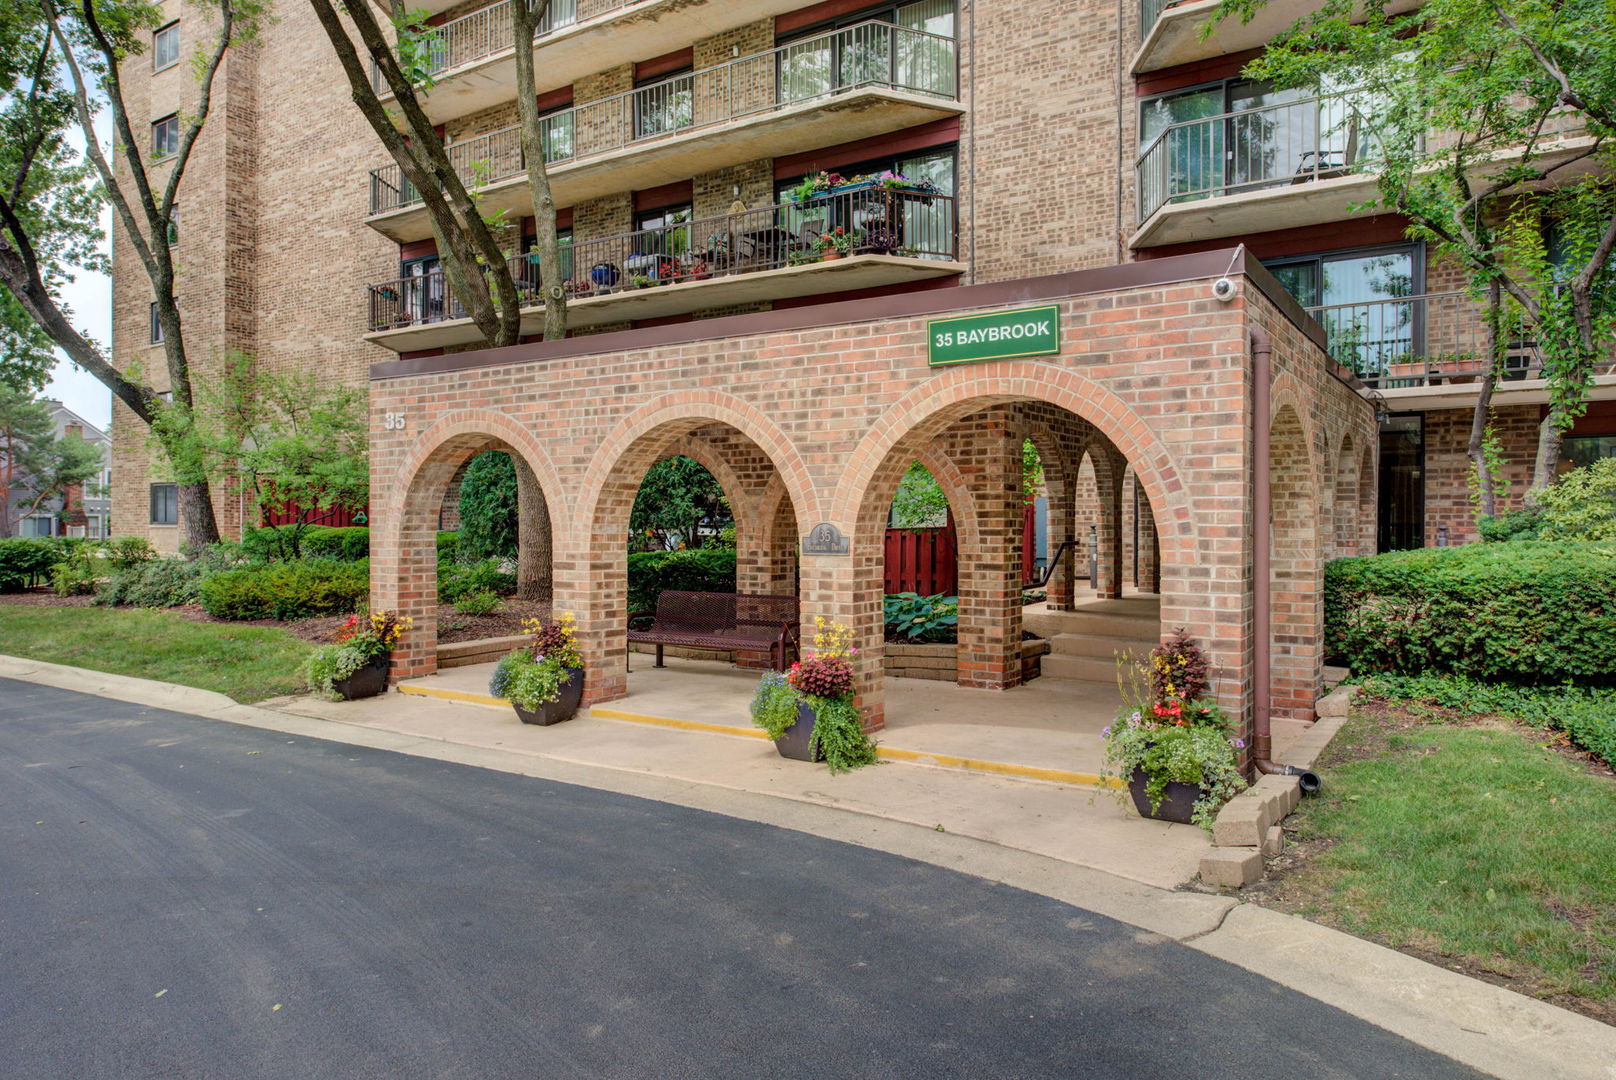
(404,521)
(1152,372)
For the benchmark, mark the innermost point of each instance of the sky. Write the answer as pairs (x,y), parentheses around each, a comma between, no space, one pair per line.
(90,298)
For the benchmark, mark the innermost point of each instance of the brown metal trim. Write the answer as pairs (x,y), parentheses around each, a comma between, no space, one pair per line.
(1134,275)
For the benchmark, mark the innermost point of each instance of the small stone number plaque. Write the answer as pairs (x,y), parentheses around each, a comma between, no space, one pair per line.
(824,539)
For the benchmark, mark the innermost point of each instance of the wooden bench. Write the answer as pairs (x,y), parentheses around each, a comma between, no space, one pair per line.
(742,621)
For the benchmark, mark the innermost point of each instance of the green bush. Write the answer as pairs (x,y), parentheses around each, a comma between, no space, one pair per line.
(1586,714)
(698,570)
(157,583)
(1526,612)
(124,552)
(1515,525)
(448,546)
(1581,505)
(481,602)
(274,543)
(456,581)
(488,513)
(287,590)
(25,562)
(75,575)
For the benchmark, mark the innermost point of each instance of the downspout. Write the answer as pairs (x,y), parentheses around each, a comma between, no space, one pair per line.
(1262,739)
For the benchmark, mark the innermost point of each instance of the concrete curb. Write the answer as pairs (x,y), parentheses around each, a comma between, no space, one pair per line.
(1494,1030)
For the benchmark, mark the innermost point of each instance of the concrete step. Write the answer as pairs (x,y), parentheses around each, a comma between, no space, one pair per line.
(1100,646)
(1100,624)
(1087,668)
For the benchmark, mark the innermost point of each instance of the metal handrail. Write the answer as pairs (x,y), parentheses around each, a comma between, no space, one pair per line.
(486,31)
(892,221)
(871,53)
(1312,138)
(1421,340)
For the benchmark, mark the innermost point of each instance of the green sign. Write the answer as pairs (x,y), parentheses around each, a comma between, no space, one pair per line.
(995,336)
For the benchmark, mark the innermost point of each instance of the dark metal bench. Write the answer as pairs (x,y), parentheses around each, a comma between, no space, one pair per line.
(742,621)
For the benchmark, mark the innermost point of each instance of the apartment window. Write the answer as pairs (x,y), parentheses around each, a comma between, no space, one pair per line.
(165,504)
(923,228)
(846,52)
(1360,297)
(555,133)
(173,225)
(1402,482)
(166,46)
(156,325)
(425,297)
(39,525)
(664,104)
(165,137)
(1579,450)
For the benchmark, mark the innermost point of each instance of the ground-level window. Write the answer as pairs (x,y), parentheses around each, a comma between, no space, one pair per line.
(38,525)
(165,504)
(1580,450)
(1402,482)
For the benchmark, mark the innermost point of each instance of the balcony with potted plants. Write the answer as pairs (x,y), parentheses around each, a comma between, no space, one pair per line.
(865,80)
(472,62)
(833,236)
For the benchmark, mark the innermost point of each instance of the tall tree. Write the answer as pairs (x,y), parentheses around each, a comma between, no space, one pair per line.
(679,504)
(36,466)
(469,251)
(1489,124)
(60,67)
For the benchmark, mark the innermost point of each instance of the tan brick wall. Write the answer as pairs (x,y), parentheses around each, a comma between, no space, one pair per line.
(1447,467)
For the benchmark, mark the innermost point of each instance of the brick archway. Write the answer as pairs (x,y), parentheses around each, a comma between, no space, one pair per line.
(404,569)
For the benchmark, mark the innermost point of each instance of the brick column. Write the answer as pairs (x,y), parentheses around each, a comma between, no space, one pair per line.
(1149,549)
(404,576)
(1108,469)
(987,450)
(1062,529)
(848,589)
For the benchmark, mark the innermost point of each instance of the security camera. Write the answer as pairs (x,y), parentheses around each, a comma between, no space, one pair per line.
(1225,289)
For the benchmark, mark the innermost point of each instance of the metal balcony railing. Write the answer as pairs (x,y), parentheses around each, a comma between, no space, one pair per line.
(1426,340)
(868,54)
(874,221)
(487,31)
(1291,143)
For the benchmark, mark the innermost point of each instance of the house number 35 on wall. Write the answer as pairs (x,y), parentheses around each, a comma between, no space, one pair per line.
(393,421)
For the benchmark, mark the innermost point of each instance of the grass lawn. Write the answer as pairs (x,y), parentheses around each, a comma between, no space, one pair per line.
(249,663)
(1474,843)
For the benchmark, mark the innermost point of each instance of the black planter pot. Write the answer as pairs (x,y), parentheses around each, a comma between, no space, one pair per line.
(368,681)
(1178,804)
(562,708)
(794,743)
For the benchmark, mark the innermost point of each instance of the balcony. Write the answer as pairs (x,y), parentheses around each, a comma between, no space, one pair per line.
(472,63)
(870,79)
(1170,33)
(895,236)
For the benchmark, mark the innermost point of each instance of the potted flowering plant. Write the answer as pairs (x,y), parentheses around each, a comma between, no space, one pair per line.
(355,664)
(838,242)
(544,679)
(809,711)
(814,186)
(1170,742)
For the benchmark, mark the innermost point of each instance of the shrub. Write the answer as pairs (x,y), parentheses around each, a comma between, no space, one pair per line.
(1515,525)
(291,590)
(481,602)
(24,562)
(1527,612)
(125,552)
(921,619)
(157,583)
(456,581)
(488,510)
(1581,505)
(273,543)
(448,546)
(698,570)
(74,575)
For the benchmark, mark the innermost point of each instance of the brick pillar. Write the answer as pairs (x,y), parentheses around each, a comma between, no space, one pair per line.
(1297,568)
(752,562)
(1149,548)
(533,535)
(1062,529)
(848,589)
(1085,511)
(404,575)
(1108,470)
(591,581)
(1127,531)
(987,450)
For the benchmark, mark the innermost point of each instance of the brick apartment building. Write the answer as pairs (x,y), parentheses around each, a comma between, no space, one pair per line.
(1059,146)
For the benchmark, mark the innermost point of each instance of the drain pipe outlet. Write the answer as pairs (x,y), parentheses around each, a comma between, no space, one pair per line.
(1262,742)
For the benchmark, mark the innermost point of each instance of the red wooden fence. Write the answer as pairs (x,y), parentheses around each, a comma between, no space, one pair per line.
(924,561)
(287,514)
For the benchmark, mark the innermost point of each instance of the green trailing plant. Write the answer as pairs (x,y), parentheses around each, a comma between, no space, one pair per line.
(921,619)
(532,676)
(1485,478)
(822,681)
(1169,730)
(359,642)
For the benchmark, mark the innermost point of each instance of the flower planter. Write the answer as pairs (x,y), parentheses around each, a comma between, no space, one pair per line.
(1178,804)
(563,708)
(794,743)
(368,681)
(829,256)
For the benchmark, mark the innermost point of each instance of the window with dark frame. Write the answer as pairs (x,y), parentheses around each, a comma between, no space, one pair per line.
(174,225)
(156,325)
(1357,294)
(165,137)
(165,504)
(166,46)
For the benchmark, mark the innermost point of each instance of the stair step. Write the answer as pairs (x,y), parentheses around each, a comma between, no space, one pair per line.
(1137,628)
(1100,646)
(1079,667)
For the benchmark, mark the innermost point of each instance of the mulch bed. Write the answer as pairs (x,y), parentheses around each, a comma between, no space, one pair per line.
(44,597)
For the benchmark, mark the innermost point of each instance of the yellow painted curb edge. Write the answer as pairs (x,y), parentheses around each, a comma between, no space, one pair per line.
(453,695)
(668,721)
(1003,768)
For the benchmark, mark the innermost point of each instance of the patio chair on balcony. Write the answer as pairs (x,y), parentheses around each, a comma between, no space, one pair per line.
(1329,164)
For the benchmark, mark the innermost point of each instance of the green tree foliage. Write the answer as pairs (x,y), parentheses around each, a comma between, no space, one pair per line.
(679,504)
(489,518)
(60,70)
(1489,125)
(35,466)
(919,502)
(1581,505)
(289,440)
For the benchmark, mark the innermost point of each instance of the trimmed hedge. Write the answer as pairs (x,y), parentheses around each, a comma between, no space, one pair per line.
(448,546)
(698,570)
(287,590)
(1526,612)
(271,543)
(25,562)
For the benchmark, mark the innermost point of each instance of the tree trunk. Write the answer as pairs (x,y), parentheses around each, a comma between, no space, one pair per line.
(1484,403)
(196,510)
(1547,467)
